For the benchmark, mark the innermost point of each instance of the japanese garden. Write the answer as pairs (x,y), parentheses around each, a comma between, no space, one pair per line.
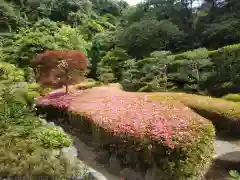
(104,90)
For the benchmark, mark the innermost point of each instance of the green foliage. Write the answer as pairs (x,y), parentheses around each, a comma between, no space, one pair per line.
(50,137)
(9,17)
(27,44)
(195,68)
(44,35)
(88,83)
(114,60)
(70,39)
(101,43)
(25,157)
(234,175)
(225,115)
(140,38)
(10,73)
(221,33)
(232,97)
(226,69)
(150,74)
(28,148)
(106,75)
(22,92)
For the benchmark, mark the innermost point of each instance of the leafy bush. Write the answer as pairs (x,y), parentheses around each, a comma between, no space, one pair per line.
(106,75)
(25,157)
(32,150)
(226,70)
(9,17)
(43,35)
(88,83)
(52,138)
(167,133)
(234,175)
(232,97)
(223,114)
(10,73)
(68,38)
(22,92)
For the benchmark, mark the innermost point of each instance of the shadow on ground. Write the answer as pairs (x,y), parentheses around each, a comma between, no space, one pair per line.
(221,166)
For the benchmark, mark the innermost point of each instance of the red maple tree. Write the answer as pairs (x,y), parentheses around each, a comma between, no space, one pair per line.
(58,68)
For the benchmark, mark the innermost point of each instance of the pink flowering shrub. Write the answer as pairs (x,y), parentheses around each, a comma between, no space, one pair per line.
(153,130)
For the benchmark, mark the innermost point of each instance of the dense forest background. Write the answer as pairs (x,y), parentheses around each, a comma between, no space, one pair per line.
(157,45)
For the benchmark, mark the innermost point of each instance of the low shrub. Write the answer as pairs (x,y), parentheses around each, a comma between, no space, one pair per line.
(233,175)
(140,133)
(226,66)
(25,157)
(88,83)
(28,149)
(10,73)
(225,115)
(52,138)
(232,97)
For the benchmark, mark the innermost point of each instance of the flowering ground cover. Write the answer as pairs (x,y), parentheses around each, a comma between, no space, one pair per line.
(225,115)
(165,133)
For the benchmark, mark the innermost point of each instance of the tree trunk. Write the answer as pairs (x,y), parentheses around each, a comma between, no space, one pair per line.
(198,77)
(66,82)
(165,76)
(66,85)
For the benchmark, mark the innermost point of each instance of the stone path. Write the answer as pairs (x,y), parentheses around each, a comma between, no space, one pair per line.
(88,156)
(225,147)
(227,158)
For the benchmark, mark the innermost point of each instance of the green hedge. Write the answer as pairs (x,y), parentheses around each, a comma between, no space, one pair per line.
(232,97)
(225,115)
(88,83)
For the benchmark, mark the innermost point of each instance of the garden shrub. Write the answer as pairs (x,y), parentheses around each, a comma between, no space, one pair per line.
(28,148)
(10,73)
(226,68)
(43,35)
(88,83)
(57,68)
(225,115)
(232,97)
(167,134)
(25,157)
(233,175)
(52,138)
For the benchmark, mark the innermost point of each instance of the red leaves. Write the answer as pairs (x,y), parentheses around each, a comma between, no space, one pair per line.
(48,72)
(123,113)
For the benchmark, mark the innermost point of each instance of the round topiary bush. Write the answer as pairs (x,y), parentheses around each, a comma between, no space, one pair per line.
(166,137)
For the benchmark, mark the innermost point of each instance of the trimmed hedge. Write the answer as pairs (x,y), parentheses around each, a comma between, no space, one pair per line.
(232,97)
(140,133)
(225,115)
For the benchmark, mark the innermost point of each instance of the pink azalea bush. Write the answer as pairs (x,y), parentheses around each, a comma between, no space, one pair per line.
(162,128)
(127,113)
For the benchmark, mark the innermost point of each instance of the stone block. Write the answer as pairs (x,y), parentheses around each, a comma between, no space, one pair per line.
(93,175)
